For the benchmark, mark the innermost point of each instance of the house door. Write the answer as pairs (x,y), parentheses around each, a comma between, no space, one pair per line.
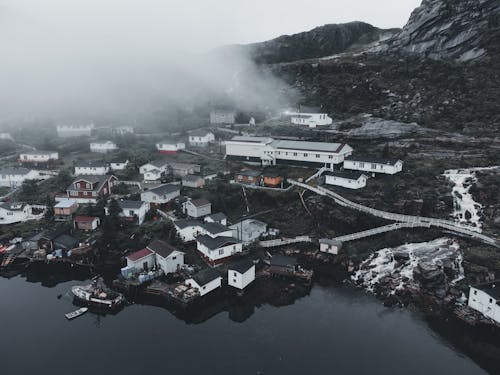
(145,266)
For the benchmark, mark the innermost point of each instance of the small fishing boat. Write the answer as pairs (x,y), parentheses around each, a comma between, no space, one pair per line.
(76,313)
(97,295)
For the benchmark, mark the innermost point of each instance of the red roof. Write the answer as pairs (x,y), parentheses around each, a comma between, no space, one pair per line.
(84,219)
(139,254)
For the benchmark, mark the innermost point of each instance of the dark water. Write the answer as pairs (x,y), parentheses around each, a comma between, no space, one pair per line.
(334,330)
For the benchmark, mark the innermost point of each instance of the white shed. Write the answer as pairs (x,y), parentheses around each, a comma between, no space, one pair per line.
(241,274)
(205,281)
(142,260)
(485,298)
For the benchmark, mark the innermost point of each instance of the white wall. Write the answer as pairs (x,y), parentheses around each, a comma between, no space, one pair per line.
(329,249)
(119,166)
(10,217)
(40,158)
(314,120)
(138,264)
(14,181)
(486,305)
(373,167)
(98,171)
(249,149)
(345,182)
(172,263)
(220,253)
(139,212)
(151,197)
(103,147)
(193,211)
(238,280)
(204,289)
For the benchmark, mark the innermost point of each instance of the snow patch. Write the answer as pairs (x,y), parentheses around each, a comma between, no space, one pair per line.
(396,266)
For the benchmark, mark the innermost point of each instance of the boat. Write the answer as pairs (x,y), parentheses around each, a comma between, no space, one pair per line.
(98,295)
(76,313)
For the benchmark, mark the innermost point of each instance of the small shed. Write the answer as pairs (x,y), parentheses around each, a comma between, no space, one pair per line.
(241,274)
(142,260)
(330,246)
(86,223)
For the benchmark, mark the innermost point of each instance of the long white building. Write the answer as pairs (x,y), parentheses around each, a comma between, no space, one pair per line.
(269,151)
(14,177)
(373,165)
(69,131)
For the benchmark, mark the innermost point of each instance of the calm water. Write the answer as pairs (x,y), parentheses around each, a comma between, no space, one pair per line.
(333,330)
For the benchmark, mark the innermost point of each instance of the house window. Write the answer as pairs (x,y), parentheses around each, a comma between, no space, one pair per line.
(330,156)
(234,281)
(221,252)
(294,154)
(361,165)
(204,287)
(130,213)
(374,166)
(475,292)
(306,155)
(491,300)
(235,274)
(174,258)
(317,155)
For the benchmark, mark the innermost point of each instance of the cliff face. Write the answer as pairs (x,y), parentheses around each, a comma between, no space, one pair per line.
(322,41)
(460,30)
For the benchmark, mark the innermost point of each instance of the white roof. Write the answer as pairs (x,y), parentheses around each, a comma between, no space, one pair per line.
(66,203)
(308,146)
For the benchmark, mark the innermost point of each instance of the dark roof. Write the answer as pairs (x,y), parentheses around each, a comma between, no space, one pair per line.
(310,109)
(130,204)
(191,177)
(165,189)
(13,206)
(66,241)
(491,288)
(205,276)
(199,133)
(249,172)
(139,254)
(93,179)
(90,163)
(186,223)
(217,242)
(241,266)
(85,219)
(14,171)
(283,261)
(346,175)
(368,159)
(214,228)
(157,163)
(199,202)
(161,248)
(271,174)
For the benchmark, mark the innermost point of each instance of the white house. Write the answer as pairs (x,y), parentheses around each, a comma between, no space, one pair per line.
(197,208)
(168,258)
(132,210)
(16,212)
(268,151)
(161,194)
(192,181)
(184,169)
(349,180)
(38,157)
(14,177)
(154,170)
(201,138)
(69,131)
(311,117)
(219,249)
(241,274)
(223,116)
(330,246)
(103,147)
(142,260)
(170,147)
(188,230)
(119,164)
(95,168)
(485,298)
(248,230)
(219,218)
(205,281)
(122,130)
(372,165)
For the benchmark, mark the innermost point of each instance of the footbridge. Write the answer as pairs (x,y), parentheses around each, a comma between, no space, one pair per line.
(412,221)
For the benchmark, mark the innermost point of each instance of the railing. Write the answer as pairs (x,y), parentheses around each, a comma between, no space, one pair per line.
(440,223)
(285,241)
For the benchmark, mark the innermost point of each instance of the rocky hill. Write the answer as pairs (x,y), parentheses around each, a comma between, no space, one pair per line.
(319,42)
(462,30)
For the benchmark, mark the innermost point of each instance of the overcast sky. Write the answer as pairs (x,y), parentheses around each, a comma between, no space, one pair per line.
(110,55)
(199,23)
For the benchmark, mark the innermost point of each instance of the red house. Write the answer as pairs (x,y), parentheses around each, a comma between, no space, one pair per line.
(87,189)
